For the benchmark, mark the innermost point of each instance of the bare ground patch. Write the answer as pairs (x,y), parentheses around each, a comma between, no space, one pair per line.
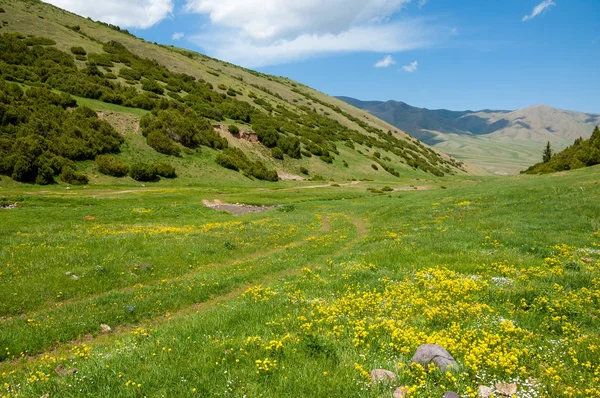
(235,209)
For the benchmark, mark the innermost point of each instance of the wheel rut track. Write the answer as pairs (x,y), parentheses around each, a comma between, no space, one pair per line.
(361,227)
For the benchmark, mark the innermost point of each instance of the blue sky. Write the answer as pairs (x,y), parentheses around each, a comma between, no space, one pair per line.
(459,55)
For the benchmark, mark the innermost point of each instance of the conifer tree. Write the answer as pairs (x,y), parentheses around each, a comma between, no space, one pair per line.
(547,153)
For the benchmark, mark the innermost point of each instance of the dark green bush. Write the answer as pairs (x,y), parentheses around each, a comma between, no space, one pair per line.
(304,170)
(183,126)
(143,172)
(236,159)
(374,166)
(130,74)
(161,142)
(112,166)
(165,170)
(70,176)
(152,86)
(233,129)
(78,50)
(277,153)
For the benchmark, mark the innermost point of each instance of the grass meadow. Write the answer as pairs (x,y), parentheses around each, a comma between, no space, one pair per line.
(302,300)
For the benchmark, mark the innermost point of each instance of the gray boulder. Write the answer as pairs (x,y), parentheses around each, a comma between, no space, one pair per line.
(451,394)
(382,376)
(428,353)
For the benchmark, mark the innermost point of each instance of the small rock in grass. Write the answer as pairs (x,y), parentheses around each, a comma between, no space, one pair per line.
(435,353)
(401,392)
(450,394)
(74,277)
(485,391)
(506,389)
(90,218)
(105,328)
(382,376)
(61,371)
(46,395)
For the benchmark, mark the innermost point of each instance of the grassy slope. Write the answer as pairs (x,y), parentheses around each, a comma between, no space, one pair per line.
(25,17)
(323,289)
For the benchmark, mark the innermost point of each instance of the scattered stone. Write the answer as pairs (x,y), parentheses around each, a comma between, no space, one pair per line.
(68,188)
(9,206)
(450,394)
(485,391)
(382,376)
(506,389)
(90,218)
(74,277)
(401,392)
(502,281)
(61,371)
(46,395)
(435,353)
(105,328)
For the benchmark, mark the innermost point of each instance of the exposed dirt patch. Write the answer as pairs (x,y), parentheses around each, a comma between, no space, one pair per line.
(413,188)
(348,184)
(287,176)
(121,122)
(236,208)
(223,131)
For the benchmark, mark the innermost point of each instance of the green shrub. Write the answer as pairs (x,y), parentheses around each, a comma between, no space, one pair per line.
(143,172)
(235,159)
(111,166)
(233,129)
(277,153)
(183,126)
(130,74)
(110,76)
(70,176)
(153,86)
(2,10)
(78,50)
(304,170)
(161,142)
(165,170)
(387,189)
(374,166)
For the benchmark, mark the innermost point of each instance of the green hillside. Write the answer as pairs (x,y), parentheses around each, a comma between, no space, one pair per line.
(169,107)
(583,153)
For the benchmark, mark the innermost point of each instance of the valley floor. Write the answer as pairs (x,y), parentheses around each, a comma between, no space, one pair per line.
(146,292)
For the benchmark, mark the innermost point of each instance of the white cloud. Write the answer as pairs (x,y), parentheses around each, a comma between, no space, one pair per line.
(177,35)
(540,8)
(265,32)
(277,19)
(410,68)
(400,36)
(386,61)
(454,31)
(422,3)
(124,13)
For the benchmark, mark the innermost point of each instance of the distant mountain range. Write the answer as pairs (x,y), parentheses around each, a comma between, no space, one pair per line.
(499,141)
